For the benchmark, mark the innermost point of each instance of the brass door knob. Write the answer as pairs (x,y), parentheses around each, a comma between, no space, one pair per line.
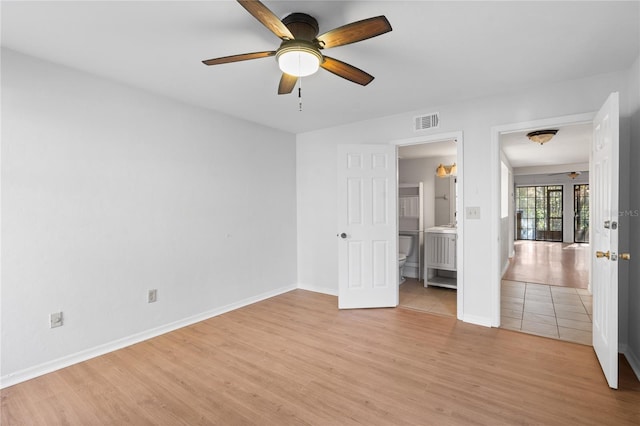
(625,256)
(601,254)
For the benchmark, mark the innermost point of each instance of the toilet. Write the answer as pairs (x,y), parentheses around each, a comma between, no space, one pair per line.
(405,248)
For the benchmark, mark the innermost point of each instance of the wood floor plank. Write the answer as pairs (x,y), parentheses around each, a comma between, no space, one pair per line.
(553,263)
(296,359)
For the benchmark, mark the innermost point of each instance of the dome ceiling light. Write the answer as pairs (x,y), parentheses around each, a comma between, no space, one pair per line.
(542,136)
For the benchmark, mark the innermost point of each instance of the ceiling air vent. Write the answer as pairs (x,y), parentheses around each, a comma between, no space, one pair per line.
(429,121)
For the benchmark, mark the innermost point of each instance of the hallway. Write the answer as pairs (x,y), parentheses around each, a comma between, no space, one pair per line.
(544,291)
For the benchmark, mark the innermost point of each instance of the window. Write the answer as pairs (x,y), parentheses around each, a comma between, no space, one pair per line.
(539,213)
(581,213)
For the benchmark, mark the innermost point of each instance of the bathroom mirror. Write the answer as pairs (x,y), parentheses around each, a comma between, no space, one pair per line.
(445,201)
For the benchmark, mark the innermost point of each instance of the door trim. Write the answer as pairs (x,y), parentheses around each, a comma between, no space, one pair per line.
(496,131)
(459,136)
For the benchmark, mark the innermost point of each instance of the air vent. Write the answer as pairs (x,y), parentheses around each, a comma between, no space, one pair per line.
(429,121)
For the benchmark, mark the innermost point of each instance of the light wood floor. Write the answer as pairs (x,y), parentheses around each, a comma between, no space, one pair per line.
(295,359)
(557,264)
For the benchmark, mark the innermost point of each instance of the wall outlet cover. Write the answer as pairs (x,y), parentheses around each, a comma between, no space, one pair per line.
(56,320)
(152,296)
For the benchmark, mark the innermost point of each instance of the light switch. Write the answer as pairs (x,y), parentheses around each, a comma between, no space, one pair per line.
(473,212)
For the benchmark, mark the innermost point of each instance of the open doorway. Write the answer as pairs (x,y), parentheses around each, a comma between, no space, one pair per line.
(429,196)
(545,281)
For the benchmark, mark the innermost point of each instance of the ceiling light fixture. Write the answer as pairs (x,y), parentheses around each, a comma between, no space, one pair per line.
(444,171)
(573,175)
(298,58)
(542,136)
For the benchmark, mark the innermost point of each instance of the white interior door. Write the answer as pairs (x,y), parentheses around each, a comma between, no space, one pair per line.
(604,237)
(367,229)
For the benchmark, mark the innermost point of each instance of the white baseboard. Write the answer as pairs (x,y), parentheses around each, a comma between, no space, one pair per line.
(472,319)
(632,358)
(504,268)
(56,364)
(318,289)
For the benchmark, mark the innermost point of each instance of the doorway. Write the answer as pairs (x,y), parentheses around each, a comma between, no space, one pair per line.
(544,286)
(419,160)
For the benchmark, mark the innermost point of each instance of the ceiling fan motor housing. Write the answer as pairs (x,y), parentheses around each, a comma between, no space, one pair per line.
(302,26)
(303,48)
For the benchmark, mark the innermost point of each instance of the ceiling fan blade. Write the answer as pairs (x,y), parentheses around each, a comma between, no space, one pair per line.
(356,31)
(346,71)
(287,83)
(238,58)
(267,18)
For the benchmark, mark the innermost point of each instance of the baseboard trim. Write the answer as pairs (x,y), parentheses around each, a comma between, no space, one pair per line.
(318,289)
(472,319)
(504,268)
(57,364)
(633,359)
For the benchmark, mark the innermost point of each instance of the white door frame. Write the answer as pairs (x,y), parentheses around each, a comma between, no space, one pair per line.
(496,268)
(460,202)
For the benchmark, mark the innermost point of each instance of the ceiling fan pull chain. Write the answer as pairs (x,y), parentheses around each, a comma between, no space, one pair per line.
(300,94)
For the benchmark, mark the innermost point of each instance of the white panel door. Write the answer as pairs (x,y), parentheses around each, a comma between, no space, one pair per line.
(604,237)
(367,231)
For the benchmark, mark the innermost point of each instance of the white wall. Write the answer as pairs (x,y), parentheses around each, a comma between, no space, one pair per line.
(316,169)
(108,191)
(633,215)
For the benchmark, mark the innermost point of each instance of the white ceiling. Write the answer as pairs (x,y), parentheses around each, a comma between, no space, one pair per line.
(570,147)
(437,53)
(428,150)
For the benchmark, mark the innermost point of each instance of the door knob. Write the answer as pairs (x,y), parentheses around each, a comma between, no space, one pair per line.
(601,254)
(625,256)
(343,235)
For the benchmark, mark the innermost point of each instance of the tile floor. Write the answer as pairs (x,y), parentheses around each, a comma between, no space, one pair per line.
(562,313)
(436,300)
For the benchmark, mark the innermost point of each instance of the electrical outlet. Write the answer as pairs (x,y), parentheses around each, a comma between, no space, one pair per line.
(55,320)
(473,212)
(152,296)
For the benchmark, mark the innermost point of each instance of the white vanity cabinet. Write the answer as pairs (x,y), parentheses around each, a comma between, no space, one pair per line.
(440,257)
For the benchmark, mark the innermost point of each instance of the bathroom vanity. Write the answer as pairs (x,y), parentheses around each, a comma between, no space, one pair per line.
(440,257)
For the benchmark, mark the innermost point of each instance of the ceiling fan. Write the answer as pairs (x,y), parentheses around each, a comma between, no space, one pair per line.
(299,53)
(571,175)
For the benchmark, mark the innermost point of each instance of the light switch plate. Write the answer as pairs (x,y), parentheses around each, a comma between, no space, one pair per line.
(473,212)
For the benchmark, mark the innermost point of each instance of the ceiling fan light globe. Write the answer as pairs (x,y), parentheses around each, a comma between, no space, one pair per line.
(299,61)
